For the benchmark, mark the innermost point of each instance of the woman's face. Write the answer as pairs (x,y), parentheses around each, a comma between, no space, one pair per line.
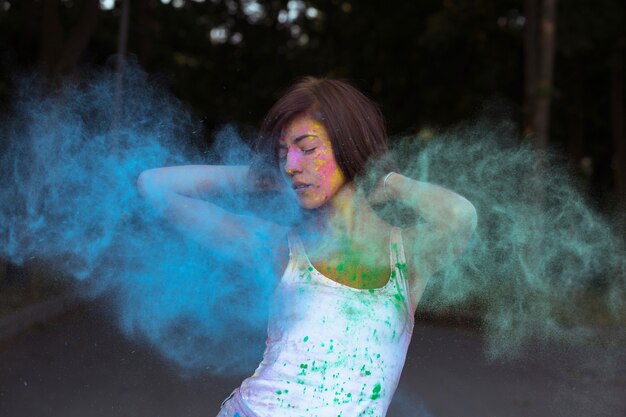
(308,163)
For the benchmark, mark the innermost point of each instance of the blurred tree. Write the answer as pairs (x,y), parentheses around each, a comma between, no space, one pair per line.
(61,47)
(588,102)
(539,49)
(617,117)
(428,63)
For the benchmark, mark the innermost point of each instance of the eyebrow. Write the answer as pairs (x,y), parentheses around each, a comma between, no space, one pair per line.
(298,139)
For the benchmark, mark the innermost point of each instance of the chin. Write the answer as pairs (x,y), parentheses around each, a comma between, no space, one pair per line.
(308,204)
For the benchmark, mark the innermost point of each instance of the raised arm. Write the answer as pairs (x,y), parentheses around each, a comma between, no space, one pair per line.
(181,194)
(448,222)
(198,181)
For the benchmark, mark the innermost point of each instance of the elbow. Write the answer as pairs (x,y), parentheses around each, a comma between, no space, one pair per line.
(149,188)
(142,184)
(466,218)
(471,217)
(463,228)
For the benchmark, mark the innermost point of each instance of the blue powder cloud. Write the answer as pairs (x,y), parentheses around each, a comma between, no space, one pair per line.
(68,170)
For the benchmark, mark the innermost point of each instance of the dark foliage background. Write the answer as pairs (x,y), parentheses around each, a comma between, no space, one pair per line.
(429,64)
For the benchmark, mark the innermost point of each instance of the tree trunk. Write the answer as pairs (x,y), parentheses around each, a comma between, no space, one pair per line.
(530,63)
(57,54)
(144,18)
(617,120)
(539,48)
(122,44)
(545,71)
(51,36)
(122,39)
(28,41)
(80,37)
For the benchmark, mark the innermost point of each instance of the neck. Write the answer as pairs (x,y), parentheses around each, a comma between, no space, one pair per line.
(346,215)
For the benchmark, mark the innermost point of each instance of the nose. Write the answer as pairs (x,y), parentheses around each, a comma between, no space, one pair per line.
(293,162)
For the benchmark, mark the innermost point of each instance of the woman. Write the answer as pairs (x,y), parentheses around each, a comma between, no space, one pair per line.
(342,316)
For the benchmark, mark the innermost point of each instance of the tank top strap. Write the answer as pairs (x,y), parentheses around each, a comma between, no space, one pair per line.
(296,247)
(296,251)
(398,263)
(292,241)
(396,250)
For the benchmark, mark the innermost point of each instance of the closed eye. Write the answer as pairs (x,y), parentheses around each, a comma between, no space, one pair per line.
(282,153)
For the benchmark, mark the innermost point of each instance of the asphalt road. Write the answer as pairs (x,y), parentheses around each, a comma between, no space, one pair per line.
(79,365)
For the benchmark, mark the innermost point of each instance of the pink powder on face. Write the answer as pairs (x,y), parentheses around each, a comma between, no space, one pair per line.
(311,160)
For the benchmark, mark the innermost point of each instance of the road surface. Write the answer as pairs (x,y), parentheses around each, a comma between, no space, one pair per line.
(80,365)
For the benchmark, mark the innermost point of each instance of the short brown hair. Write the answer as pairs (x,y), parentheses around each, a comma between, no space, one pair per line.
(354,124)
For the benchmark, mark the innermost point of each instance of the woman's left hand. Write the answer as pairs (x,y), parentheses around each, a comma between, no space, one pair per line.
(382,191)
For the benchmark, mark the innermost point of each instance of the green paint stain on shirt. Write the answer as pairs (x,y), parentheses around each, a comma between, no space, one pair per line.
(306,338)
(375,392)
(303,367)
(402,268)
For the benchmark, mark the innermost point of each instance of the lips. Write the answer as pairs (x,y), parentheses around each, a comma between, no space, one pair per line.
(300,186)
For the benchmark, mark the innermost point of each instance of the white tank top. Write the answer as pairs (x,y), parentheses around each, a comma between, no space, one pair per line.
(332,350)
